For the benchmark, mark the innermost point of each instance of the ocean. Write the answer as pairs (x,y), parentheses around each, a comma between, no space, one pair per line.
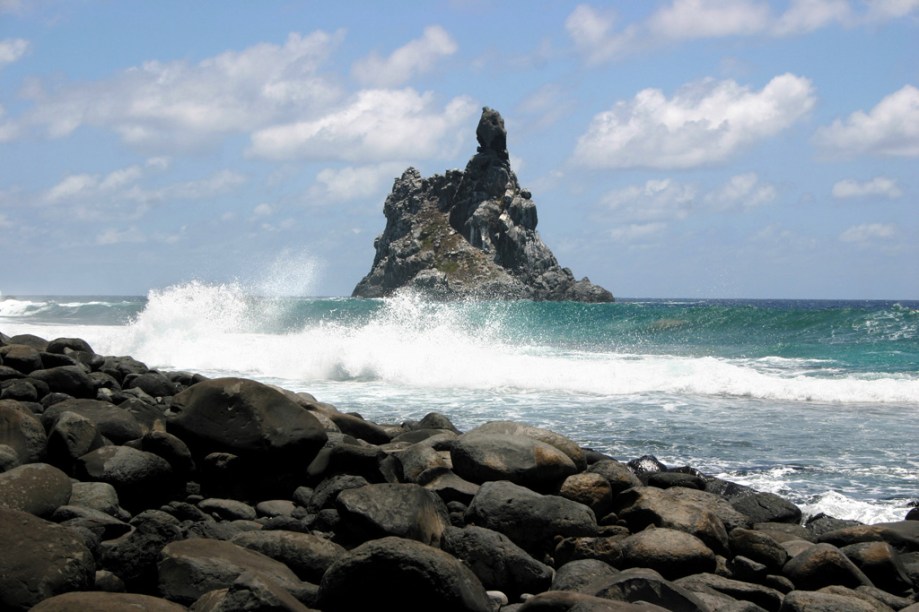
(817,401)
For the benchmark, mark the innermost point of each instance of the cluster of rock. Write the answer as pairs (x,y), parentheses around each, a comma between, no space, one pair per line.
(127,487)
(469,234)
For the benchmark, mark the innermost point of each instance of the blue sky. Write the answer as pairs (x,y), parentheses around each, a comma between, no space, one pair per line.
(682,148)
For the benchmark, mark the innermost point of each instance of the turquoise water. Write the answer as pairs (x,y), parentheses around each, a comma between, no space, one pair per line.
(815,400)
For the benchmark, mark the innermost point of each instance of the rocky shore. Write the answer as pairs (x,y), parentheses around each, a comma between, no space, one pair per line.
(122,486)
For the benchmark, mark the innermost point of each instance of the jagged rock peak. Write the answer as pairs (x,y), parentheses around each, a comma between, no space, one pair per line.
(469,234)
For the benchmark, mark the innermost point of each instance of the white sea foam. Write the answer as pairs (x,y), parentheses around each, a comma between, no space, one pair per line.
(13,308)
(840,506)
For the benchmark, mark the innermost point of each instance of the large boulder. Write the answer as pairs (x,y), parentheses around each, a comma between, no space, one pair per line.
(100,600)
(249,592)
(307,554)
(481,457)
(113,422)
(497,561)
(764,597)
(133,556)
(140,478)
(815,601)
(190,568)
(385,509)
(244,417)
(646,586)
(644,506)
(672,553)
(70,379)
(759,547)
(902,535)
(529,519)
(40,559)
(513,428)
(36,488)
(21,357)
(22,431)
(822,565)
(395,573)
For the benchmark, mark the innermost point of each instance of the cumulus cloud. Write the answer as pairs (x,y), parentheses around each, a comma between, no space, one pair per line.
(597,38)
(354,182)
(115,236)
(12,49)
(867,233)
(374,126)
(880,186)
(703,123)
(180,104)
(667,199)
(82,186)
(891,128)
(418,56)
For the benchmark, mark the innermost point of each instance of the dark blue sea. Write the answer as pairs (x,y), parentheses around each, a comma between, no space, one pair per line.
(815,400)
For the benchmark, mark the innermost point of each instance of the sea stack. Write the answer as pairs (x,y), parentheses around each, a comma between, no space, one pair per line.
(469,234)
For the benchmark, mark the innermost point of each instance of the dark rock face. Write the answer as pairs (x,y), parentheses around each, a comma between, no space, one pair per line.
(469,234)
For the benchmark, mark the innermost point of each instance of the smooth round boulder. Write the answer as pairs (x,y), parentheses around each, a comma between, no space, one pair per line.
(307,554)
(672,553)
(113,422)
(190,568)
(22,431)
(759,547)
(36,488)
(70,379)
(152,383)
(21,357)
(244,417)
(591,489)
(530,520)
(496,561)
(62,346)
(400,574)
(513,428)
(392,509)
(483,457)
(48,560)
(72,436)
(815,601)
(140,478)
(822,565)
(619,476)
(576,575)
(100,600)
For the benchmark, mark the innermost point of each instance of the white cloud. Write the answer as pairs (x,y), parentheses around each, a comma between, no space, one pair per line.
(262,210)
(880,186)
(416,57)
(11,49)
(704,123)
(376,125)
(113,236)
(354,182)
(742,190)
(597,38)
(81,186)
(178,104)
(890,128)
(868,232)
(4,221)
(667,199)
(656,199)
(687,19)
(637,231)
(216,184)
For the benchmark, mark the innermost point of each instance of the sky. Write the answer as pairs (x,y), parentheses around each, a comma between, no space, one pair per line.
(678,148)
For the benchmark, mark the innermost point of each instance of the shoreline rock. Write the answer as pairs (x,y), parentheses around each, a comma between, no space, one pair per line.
(228,494)
(469,234)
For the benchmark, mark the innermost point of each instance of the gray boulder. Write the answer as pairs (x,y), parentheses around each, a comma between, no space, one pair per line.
(48,560)
(22,431)
(243,417)
(36,488)
(759,547)
(530,520)
(190,568)
(70,379)
(672,553)
(481,457)
(823,565)
(577,575)
(395,573)
(72,436)
(100,600)
(307,554)
(140,478)
(619,476)
(497,561)
(403,510)
(113,422)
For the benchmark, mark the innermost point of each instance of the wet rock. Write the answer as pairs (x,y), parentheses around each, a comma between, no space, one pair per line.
(36,488)
(307,554)
(190,568)
(530,520)
(672,553)
(483,457)
(48,560)
(100,600)
(396,573)
(496,561)
(823,565)
(403,510)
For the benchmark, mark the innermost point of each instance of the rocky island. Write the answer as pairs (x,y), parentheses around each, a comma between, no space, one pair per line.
(469,234)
